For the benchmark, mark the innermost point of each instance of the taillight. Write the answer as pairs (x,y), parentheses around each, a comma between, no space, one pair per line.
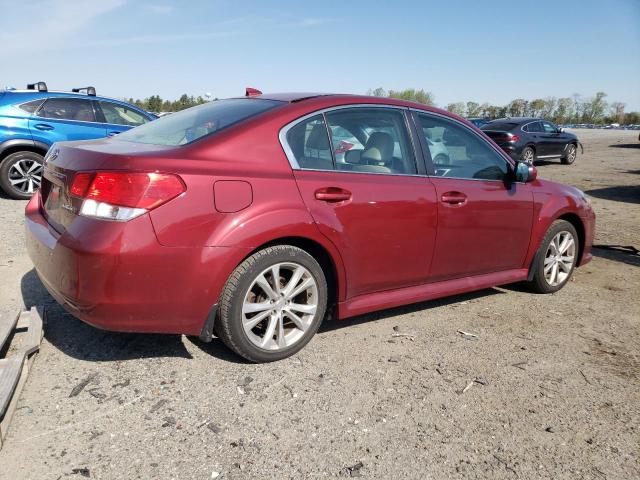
(513,138)
(123,196)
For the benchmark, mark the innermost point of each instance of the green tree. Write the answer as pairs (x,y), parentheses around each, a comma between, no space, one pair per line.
(473,109)
(413,95)
(458,108)
(517,107)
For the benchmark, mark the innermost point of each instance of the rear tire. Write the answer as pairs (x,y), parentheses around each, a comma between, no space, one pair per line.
(263,320)
(572,154)
(528,155)
(21,174)
(555,260)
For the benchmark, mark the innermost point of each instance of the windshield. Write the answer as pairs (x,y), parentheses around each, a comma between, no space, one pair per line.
(194,123)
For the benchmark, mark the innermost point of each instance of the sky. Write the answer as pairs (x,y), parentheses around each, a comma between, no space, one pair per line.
(485,51)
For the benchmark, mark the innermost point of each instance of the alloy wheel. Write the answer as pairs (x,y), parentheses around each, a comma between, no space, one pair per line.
(25,175)
(559,259)
(528,156)
(571,155)
(280,306)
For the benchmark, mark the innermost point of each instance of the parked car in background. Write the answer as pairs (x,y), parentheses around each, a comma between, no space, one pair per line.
(531,139)
(236,218)
(32,120)
(478,121)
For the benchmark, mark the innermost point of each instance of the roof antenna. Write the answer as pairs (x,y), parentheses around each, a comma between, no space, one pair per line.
(252,92)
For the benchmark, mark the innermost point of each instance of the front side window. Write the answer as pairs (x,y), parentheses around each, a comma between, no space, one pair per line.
(121,115)
(194,123)
(549,128)
(457,152)
(67,109)
(378,138)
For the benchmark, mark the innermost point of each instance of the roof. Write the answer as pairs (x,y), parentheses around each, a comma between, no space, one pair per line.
(291,97)
(517,119)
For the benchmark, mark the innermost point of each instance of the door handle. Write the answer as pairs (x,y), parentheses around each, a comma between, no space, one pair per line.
(43,126)
(333,194)
(454,198)
(112,134)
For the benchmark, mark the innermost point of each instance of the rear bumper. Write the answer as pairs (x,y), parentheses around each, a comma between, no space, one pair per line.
(512,150)
(116,276)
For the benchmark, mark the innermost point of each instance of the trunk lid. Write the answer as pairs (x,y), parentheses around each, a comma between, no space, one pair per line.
(66,159)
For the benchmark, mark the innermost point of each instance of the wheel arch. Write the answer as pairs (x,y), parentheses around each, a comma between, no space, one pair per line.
(17,145)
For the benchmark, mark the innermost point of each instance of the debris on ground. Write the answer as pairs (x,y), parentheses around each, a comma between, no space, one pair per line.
(468,335)
(352,471)
(81,386)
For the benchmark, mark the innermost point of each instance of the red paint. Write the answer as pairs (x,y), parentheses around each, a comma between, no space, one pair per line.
(392,239)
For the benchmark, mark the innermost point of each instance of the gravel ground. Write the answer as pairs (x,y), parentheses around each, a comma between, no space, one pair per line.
(549,388)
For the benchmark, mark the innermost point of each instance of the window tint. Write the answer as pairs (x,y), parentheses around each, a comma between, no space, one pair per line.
(457,152)
(534,127)
(380,141)
(121,115)
(501,126)
(549,128)
(194,123)
(30,107)
(68,109)
(309,144)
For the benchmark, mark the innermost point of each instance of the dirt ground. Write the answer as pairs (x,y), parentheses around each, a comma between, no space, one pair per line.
(549,388)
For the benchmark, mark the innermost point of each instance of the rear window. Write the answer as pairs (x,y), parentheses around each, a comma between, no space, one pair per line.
(501,126)
(194,123)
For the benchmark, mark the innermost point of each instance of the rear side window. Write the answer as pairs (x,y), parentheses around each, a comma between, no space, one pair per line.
(534,127)
(380,141)
(120,115)
(30,107)
(68,109)
(500,126)
(194,123)
(309,144)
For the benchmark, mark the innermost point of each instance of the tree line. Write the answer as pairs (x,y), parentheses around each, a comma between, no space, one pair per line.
(156,104)
(564,110)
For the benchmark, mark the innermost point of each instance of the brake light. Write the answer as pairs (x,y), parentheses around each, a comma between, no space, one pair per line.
(123,196)
(513,138)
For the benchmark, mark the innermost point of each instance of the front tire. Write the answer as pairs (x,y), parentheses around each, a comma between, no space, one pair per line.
(272,304)
(556,258)
(572,153)
(21,174)
(528,155)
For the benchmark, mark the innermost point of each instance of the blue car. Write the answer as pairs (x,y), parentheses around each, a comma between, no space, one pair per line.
(32,120)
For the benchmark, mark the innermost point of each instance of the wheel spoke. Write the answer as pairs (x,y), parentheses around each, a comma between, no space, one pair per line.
(34,166)
(266,288)
(249,307)
(302,287)
(293,281)
(253,321)
(18,168)
(296,319)
(554,274)
(30,189)
(282,341)
(268,336)
(564,267)
(566,244)
(275,273)
(18,181)
(307,309)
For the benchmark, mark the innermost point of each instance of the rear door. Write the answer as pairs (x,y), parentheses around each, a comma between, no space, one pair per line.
(63,118)
(117,117)
(484,219)
(372,203)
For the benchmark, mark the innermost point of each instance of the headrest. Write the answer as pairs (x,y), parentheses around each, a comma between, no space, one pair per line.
(317,138)
(379,148)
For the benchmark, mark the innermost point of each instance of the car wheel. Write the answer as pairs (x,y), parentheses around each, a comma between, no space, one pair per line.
(572,153)
(21,174)
(272,304)
(556,258)
(528,155)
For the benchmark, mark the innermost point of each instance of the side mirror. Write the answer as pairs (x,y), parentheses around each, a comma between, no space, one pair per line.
(561,130)
(525,173)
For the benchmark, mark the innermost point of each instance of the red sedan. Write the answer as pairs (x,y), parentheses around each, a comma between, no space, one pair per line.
(237,217)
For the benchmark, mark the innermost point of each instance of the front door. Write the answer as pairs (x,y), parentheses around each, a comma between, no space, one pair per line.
(484,219)
(370,202)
